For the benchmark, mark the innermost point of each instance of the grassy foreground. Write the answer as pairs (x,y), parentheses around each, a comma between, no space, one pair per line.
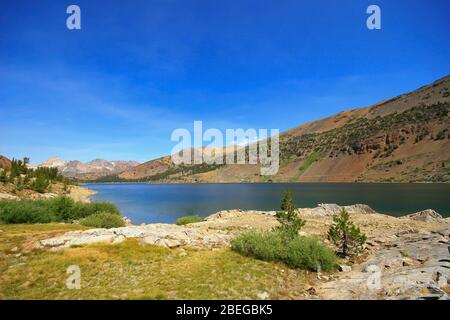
(133,271)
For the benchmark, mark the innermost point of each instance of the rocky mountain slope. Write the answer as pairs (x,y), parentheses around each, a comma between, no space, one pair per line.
(147,169)
(89,170)
(162,167)
(403,139)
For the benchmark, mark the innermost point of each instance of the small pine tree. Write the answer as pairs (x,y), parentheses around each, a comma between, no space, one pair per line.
(66,189)
(19,167)
(40,184)
(19,183)
(345,235)
(288,217)
(3,176)
(26,181)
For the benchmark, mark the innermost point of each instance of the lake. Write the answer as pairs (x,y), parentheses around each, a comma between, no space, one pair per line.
(150,203)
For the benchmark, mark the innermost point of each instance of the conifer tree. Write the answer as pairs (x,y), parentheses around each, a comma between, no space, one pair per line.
(288,217)
(346,235)
(3,176)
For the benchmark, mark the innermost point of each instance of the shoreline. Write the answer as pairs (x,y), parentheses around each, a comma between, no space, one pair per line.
(318,219)
(80,193)
(268,183)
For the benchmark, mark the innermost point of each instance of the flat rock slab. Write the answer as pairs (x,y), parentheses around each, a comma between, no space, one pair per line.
(167,235)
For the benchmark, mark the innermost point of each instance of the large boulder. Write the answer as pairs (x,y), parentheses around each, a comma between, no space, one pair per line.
(331,209)
(428,215)
(7,196)
(359,208)
(236,213)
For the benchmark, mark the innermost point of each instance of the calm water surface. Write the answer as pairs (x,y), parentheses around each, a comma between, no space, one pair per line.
(151,203)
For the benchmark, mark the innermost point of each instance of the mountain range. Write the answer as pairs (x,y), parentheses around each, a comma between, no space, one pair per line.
(403,139)
(90,170)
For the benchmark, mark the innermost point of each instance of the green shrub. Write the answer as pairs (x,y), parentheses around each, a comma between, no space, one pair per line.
(63,208)
(59,209)
(26,211)
(441,135)
(82,210)
(298,252)
(103,220)
(283,243)
(345,235)
(189,219)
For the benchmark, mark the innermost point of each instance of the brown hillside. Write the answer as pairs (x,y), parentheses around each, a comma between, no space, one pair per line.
(149,168)
(403,139)
(160,166)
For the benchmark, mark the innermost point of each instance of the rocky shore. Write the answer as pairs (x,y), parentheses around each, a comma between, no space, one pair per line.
(215,231)
(413,265)
(166,235)
(404,258)
(77,193)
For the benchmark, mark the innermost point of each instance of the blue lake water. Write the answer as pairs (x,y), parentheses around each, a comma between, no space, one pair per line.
(152,203)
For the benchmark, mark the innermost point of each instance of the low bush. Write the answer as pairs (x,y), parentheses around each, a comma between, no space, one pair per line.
(59,209)
(298,252)
(441,135)
(103,220)
(189,219)
(27,211)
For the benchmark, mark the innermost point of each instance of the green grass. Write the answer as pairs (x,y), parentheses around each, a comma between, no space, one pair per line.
(60,209)
(299,252)
(130,270)
(313,157)
(189,219)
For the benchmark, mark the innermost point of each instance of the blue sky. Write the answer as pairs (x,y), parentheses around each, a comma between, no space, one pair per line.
(139,69)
